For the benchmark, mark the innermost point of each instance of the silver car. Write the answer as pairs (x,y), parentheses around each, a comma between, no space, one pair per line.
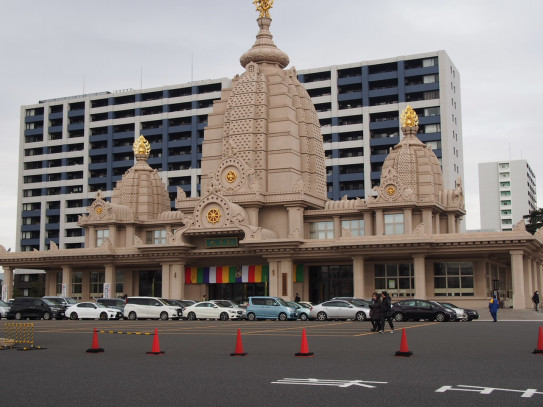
(4,308)
(339,309)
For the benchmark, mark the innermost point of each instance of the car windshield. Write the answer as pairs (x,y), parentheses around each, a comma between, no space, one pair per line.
(49,302)
(225,304)
(168,302)
(449,305)
(100,305)
(3,304)
(282,302)
(294,304)
(70,301)
(303,305)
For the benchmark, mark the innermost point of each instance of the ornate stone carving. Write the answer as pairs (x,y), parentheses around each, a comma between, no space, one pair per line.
(520,226)
(420,229)
(138,241)
(53,246)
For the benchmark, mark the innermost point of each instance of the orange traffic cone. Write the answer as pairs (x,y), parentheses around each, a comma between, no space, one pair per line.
(404,350)
(156,345)
(95,347)
(539,349)
(304,351)
(239,346)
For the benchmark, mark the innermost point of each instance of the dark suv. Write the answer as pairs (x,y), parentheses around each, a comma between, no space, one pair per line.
(35,308)
(421,309)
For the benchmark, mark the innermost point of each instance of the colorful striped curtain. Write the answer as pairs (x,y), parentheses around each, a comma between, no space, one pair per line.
(227,274)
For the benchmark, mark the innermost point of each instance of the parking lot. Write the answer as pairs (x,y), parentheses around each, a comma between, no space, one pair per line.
(350,366)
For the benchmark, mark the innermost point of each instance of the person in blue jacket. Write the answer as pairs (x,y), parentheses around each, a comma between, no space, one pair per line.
(493,306)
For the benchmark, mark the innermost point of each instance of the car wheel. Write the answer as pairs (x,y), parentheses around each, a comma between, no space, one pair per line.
(282,316)
(251,316)
(321,316)
(360,316)
(399,317)
(18,315)
(132,316)
(164,316)
(46,316)
(223,316)
(440,317)
(303,317)
(103,316)
(74,316)
(191,316)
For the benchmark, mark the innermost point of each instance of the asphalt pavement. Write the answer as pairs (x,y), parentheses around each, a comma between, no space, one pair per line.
(453,363)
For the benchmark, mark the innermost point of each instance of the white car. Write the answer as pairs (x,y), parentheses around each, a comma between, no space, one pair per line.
(231,304)
(210,310)
(338,309)
(90,310)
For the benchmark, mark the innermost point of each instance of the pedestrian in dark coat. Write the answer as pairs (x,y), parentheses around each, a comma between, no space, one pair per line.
(493,306)
(535,299)
(375,312)
(386,312)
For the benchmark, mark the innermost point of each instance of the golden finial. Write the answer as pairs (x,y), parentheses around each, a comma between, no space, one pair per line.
(141,146)
(409,117)
(264,7)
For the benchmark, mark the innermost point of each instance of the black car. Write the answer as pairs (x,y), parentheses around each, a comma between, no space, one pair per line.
(35,308)
(421,309)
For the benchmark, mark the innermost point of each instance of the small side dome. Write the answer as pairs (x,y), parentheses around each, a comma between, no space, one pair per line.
(264,50)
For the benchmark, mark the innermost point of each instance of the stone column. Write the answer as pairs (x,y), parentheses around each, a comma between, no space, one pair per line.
(109,278)
(252,211)
(437,224)
(67,280)
(519,292)
(130,231)
(359,289)
(408,221)
(451,223)
(480,289)
(128,283)
(379,222)
(528,281)
(113,235)
(295,222)
(50,282)
(419,264)
(273,289)
(7,285)
(427,218)
(540,273)
(90,238)
(165,281)
(337,227)
(368,224)
(85,285)
(177,280)
(281,281)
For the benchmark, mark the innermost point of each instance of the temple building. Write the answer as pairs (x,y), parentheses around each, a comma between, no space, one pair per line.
(263,223)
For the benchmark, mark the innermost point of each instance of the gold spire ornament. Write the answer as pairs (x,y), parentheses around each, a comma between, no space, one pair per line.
(409,117)
(141,146)
(264,7)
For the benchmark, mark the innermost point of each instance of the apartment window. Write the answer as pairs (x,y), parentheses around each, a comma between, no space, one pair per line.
(506,203)
(504,175)
(505,193)
(34,206)
(430,78)
(321,230)
(397,278)
(155,237)
(101,235)
(453,279)
(507,221)
(504,166)
(506,212)
(394,224)
(429,62)
(432,128)
(431,111)
(353,227)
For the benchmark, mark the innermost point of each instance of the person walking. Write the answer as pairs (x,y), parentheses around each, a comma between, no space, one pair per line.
(535,299)
(375,312)
(493,306)
(297,298)
(386,306)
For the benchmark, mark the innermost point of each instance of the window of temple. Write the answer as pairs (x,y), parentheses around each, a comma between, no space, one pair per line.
(59,282)
(394,224)
(453,279)
(397,278)
(97,280)
(101,235)
(155,236)
(119,283)
(77,282)
(321,230)
(355,227)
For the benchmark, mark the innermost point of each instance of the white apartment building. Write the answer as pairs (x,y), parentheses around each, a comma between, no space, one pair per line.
(507,192)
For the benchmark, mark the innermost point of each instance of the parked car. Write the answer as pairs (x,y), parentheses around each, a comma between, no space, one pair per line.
(303,310)
(89,310)
(261,307)
(471,314)
(306,303)
(231,304)
(151,307)
(4,309)
(421,309)
(461,314)
(356,301)
(118,303)
(211,310)
(64,302)
(339,309)
(35,308)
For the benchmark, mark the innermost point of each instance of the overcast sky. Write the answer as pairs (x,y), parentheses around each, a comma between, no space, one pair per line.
(59,48)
